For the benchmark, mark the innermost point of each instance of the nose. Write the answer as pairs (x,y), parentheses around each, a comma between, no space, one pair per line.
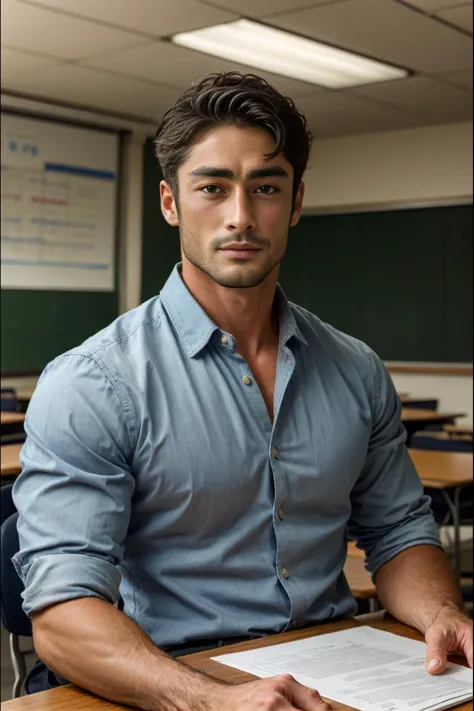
(240,217)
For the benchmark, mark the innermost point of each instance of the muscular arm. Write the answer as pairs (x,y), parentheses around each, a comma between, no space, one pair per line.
(94,645)
(416,585)
(112,657)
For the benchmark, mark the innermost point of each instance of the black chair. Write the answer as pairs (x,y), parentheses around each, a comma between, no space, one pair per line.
(15,621)
(7,507)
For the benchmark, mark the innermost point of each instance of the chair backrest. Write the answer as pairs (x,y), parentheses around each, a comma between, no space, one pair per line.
(449,444)
(7,507)
(11,587)
(8,400)
(427,404)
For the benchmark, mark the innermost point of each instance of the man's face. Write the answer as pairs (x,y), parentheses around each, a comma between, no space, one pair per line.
(235,206)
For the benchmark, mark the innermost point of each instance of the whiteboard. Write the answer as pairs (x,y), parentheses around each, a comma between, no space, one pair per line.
(58,206)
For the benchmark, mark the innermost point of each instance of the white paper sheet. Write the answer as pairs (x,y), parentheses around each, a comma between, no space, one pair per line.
(362,667)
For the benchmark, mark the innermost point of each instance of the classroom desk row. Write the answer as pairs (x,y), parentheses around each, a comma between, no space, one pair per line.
(412,419)
(446,471)
(73,698)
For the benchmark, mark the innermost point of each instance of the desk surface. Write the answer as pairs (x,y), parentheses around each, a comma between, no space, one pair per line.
(414,415)
(10,459)
(12,418)
(358,578)
(74,699)
(459,429)
(441,469)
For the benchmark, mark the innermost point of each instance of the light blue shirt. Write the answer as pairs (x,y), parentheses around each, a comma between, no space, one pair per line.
(151,464)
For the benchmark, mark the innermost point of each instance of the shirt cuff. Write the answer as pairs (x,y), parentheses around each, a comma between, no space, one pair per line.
(413,533)
(66,576)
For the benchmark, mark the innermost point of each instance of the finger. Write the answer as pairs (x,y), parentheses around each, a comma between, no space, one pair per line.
(436,654)
(468,649)
(305,698)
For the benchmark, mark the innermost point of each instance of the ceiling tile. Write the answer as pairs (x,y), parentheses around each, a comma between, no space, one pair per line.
(461,78)
(385,30)
(434,5)
(97,90)
(337,113)
(265,8)
(421,95)
(460,16)
(169,64)
(15,63)
(47,32)
(158,18)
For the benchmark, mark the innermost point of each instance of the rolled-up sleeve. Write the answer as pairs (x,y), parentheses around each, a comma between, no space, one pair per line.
(75,489)
(390,513)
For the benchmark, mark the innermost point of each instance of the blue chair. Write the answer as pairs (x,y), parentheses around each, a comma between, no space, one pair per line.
(426,404)
(8,402)
(14,619)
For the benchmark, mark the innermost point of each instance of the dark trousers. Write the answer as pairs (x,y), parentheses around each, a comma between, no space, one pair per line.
(41,678)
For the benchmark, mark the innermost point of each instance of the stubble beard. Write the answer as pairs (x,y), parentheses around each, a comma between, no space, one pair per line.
(237,278)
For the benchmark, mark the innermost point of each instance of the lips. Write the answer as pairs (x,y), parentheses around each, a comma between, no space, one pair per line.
(240,250)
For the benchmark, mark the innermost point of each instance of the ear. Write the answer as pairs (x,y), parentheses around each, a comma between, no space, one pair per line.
(295,215)
(168,204)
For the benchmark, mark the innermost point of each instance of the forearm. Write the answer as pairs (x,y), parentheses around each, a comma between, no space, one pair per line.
(97,647)
(417,584)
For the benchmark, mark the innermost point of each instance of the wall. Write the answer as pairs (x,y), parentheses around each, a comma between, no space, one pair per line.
(454,391)
(416,166)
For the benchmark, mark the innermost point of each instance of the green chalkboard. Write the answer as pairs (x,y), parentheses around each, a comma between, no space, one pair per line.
(36,326)
(400,280)
(160,251)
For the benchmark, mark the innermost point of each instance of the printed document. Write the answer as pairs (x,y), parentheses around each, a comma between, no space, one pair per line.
(364,668)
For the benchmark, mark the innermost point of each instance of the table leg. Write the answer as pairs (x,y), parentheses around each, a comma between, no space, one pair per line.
(454,510)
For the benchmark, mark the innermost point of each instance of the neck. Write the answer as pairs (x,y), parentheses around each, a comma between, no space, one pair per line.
(247,314)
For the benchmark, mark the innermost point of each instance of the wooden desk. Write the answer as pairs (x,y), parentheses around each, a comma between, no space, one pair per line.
(444,468)
(10,459)
(465,430)
(414,419)
(448,472)
(12,418)
(359,579)
(74,699)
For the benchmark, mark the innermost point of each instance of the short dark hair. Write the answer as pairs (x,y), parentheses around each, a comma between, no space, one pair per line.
(237,99)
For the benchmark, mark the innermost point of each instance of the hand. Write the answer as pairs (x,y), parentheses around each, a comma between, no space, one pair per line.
(449,633)
(279,693)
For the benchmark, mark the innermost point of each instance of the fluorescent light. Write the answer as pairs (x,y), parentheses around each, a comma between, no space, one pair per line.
(280,52)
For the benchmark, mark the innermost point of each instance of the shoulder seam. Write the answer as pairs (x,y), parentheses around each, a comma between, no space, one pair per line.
(125,404)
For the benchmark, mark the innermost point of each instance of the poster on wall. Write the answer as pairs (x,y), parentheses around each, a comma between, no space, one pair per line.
(58,206)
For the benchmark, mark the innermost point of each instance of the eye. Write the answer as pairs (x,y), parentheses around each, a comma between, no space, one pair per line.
(211,189)
(268,189)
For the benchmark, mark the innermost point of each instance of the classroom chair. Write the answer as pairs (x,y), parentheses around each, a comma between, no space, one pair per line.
(426,404)
(8,400)
(14,619)
(7,507)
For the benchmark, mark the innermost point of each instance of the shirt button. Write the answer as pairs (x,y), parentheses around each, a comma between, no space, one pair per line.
(294,623)
(224,340)
(285,573)
(246,380)
(281,513)
(276,453)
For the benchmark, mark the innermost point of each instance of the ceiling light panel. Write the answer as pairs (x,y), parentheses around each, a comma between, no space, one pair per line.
(266,48)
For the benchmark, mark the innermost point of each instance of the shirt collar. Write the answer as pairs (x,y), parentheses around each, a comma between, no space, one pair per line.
(194,326)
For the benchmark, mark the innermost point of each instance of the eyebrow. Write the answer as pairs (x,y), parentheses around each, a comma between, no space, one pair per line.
(210,171)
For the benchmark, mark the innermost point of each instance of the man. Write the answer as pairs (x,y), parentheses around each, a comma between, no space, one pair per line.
(210,450)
